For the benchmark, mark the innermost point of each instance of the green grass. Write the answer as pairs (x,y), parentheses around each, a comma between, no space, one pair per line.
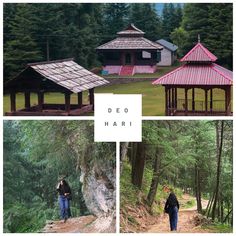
(189,204)
(219,228)
(153,102)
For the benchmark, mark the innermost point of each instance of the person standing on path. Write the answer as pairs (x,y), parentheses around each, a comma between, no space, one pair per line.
(172,208)
(64,191)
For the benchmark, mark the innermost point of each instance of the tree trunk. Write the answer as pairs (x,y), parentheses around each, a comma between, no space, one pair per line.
(155,178)
(123,154)
(198,189)
(219,144)
(138,165)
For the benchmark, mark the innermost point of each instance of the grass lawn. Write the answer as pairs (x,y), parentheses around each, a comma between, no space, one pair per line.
(153,96)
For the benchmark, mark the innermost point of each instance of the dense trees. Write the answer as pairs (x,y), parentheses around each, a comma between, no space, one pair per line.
(192,156)
(36,154)
(213,22)
(35,32)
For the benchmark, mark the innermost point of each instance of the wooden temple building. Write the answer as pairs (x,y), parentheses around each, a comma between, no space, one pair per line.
(129,53)
(199,71)
(61,76)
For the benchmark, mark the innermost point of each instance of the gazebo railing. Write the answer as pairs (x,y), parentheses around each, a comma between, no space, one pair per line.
(217,105)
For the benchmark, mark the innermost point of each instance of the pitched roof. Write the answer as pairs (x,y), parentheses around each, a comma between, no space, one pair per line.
(130,38)
(130,43)
(199,54)
(65,73)
(131,30)
(195,74)
(172,47)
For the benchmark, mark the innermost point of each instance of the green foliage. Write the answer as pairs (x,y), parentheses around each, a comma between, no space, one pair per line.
(214,24)
(36,154)
(75,30)
(218,228)
(128,192)
(145,17)
(171,19)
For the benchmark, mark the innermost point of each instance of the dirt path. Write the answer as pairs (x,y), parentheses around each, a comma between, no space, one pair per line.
(73,225)
(185,220)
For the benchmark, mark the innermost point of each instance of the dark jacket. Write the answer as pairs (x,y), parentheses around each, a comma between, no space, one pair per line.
(171,202)
(64,189)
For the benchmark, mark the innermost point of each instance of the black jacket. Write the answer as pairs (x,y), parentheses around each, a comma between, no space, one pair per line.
(171,202)
(64,189)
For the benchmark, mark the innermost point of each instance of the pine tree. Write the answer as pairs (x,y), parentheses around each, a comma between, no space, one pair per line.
(171,18)
(145,17)
(23,48)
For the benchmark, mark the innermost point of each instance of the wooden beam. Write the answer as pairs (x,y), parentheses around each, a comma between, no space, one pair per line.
(206,101)
(176,98)
(13,101)
(169,100)
(67,102)
(40,101)
(227,103)
(27,100)
(173,99)
(80,99)
(91,97)
(211,100)
(193,99)
(186,101)
(166,101)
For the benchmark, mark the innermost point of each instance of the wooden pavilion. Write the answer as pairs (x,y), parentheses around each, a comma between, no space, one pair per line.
(63,76)
(129,53)
(198,72)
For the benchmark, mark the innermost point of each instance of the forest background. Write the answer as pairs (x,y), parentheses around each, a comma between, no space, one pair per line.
(193,158)
(39,32)
(37,154)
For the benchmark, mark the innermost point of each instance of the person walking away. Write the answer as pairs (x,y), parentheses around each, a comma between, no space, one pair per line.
(172,208)
(64,191)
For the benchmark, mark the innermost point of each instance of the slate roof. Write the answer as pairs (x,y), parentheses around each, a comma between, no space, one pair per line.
(199,54)
(131,30)
(172,47)
(130,43)
(65,73)
(130,38)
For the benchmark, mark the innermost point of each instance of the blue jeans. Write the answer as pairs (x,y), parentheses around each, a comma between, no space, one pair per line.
(64,205)
(173,216)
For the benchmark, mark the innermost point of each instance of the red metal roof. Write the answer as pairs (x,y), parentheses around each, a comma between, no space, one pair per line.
(195,74)
(199,54)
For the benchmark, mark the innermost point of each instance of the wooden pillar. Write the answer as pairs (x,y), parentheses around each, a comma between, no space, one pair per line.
(173,99)
(80,99)
(40,101)
(206,101)
(193,99)
(227,99)
(169,100)
(211,100)
(166,101)
(27,100)
(91,97)
(13,101)
(186,101)
(67,102)
(176,98)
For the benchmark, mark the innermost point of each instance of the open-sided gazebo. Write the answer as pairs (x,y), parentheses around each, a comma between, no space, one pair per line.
(63,76)
(198,72)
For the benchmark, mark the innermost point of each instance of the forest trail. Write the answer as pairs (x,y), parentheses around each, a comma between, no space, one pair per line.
(186,223)
(73,225)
